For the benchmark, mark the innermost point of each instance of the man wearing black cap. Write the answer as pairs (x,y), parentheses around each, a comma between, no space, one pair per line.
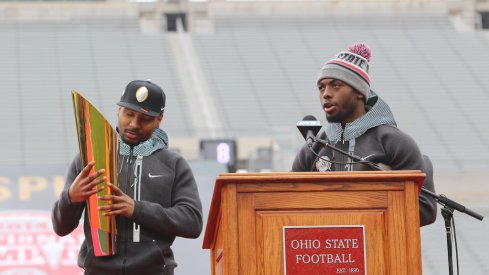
(157,198)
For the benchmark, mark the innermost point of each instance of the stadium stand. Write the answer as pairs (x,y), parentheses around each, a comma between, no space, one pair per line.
(418,62)
(261,73)
(43,61)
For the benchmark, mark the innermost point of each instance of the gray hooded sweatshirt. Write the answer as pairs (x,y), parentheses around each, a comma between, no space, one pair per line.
(373,137)
(167,205)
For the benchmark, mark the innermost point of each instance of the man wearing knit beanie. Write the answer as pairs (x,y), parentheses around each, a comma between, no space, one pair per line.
(346,76)
(361,124)
(350,67)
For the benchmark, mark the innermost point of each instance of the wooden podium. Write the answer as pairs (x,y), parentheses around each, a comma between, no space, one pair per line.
(249,213)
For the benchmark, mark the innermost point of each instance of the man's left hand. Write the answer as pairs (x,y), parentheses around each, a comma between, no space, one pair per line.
(120,203)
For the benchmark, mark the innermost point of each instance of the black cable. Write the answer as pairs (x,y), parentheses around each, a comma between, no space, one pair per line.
(456,245)
(366,162)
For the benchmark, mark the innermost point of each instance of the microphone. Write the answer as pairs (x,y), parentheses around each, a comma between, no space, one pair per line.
(309,127)
(443,200)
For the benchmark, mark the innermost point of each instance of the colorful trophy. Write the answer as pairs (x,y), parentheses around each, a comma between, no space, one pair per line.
(98,141)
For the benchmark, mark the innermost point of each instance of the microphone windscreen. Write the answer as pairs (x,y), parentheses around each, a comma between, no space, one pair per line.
(309,117)
(309,126)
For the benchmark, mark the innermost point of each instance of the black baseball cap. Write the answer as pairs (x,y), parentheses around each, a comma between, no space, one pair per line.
(143,96)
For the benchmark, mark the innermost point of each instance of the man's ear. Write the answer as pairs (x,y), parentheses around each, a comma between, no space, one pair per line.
(361,96)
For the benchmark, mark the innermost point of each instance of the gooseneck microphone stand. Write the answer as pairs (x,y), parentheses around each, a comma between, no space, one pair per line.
(447,212)
(448,205)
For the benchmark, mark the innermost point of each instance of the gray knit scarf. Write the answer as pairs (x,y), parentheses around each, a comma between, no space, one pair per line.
(378,114)
(159,140)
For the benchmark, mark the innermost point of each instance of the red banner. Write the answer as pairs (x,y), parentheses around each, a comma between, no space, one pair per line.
(29,246)
(312,250)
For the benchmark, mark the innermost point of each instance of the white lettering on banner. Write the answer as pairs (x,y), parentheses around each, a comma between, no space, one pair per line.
(27,240)
(342,243)
(305,244)
(324,259)
(324,249)
(38,255)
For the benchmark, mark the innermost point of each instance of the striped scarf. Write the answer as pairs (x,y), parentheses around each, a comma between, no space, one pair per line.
(379,114)
(159,140)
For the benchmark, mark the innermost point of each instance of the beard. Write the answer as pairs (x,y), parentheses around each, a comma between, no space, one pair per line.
(336,118)
(344,114)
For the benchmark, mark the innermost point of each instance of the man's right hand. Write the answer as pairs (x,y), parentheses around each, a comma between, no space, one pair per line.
(85,184)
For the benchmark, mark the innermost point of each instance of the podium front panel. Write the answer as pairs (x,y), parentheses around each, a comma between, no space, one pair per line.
(248,236)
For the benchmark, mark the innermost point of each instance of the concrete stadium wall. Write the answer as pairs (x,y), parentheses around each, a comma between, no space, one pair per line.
(322,7)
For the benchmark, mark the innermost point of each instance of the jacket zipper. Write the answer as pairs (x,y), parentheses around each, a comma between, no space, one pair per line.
(343,133)
(126,222)
(342,142)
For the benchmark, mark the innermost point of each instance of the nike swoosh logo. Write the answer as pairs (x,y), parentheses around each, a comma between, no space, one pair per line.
(154,176)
